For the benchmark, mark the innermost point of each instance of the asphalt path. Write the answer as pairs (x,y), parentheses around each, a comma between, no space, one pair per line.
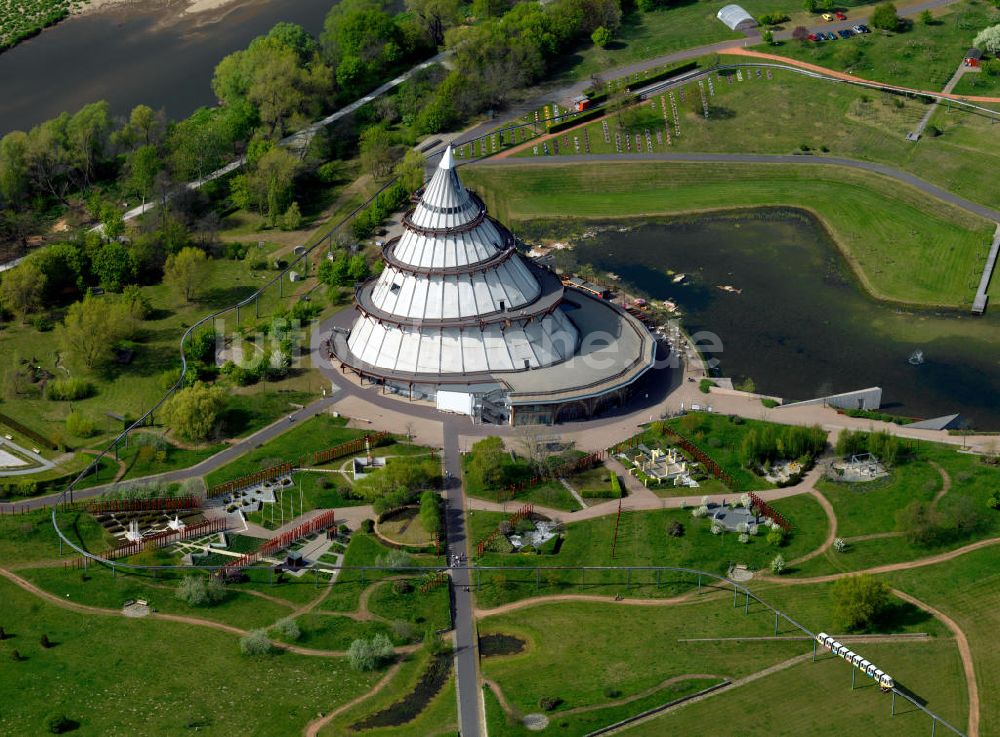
(569,91)
(807,160)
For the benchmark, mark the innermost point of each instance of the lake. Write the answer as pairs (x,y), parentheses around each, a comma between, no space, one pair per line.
(134,55)
(802,327)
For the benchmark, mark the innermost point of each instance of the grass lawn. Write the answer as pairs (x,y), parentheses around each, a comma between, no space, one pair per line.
(642,541)
(405,528)
(316,433)
(25,538)
(363,550)
(102,589)
(422,609)
(550,493)
(867,509)
(881,226)
(922,57)
(968,590)
(815,698)
(437,718)
(118,676)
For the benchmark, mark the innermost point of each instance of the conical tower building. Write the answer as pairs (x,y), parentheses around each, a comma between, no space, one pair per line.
(457,312)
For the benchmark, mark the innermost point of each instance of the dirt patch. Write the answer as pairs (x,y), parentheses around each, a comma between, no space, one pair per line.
(500,644)
(409,707)
(535,722)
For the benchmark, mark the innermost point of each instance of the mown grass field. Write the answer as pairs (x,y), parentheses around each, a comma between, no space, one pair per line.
(816,699)
(642,540)
(903,245)
(778,116)
(922,57)
(118,676)
(966,589)
(648,648)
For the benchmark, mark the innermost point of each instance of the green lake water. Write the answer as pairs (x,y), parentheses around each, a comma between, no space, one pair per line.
(802,326)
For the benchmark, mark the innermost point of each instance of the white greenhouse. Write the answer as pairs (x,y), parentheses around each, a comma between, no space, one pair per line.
(737,18)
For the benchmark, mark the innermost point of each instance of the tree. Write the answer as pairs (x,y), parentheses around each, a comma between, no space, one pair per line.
(193,411)
(601,36)
(778,564)
(114,266)
(358,269)
(292,219)
(376,151)
(885,17)
(800,33)
(14,179)
(269,184)
(87,135)
(859,601)
(810,6)
(142,166)
(434,17)
(767,36)
(91,328)
(430,512)
(989,40)
(926,17)
(410,171)
(186,271)
(21,289)
(62,266)
(367,655)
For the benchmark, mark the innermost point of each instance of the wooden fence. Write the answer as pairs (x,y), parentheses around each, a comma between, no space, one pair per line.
(258,477)
(519,515)
(351,446)
(316,524)
(165,504)
(767,510)
(160,540)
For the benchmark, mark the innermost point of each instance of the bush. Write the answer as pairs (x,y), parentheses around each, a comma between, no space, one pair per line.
(393,559)
(288,628)
(885,17)
(676,529)
(549,703)
(256,643)
(59,724)
(200,590)
(705,385)
(68,390)
(367,526)
(859,601)
(840,545)
(402,586)
(367,655)
(778,564)
(776,537)
(80,425)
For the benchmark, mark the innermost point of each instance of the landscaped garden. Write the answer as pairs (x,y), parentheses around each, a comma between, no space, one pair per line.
(668,537)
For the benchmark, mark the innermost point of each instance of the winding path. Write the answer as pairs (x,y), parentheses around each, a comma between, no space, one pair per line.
(964,651)
(313,728)
(831,517)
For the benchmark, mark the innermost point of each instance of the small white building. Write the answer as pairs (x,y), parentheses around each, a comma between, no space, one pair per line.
(736,18)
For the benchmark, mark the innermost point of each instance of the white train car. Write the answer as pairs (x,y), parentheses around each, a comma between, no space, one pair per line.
(884,680)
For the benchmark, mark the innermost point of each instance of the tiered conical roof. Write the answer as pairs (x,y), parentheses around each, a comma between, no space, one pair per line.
(455,297)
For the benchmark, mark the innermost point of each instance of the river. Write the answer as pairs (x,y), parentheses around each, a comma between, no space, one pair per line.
(131,55)
(802,327)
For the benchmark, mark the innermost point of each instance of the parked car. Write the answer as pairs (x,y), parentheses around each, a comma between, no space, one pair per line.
(840,15)
(827,17)
(845,33)
(864,28)
(830,37)
(813,37)
(857,29)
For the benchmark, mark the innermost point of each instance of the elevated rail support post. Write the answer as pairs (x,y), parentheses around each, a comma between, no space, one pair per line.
(699,583)
(538,574)
(775,622)
(814,650)
(734,595)
(854,674)
(933,725)
(893,712)
(746,605)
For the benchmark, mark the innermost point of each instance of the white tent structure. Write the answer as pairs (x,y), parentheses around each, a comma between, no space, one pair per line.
(457,307)
(736,18)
